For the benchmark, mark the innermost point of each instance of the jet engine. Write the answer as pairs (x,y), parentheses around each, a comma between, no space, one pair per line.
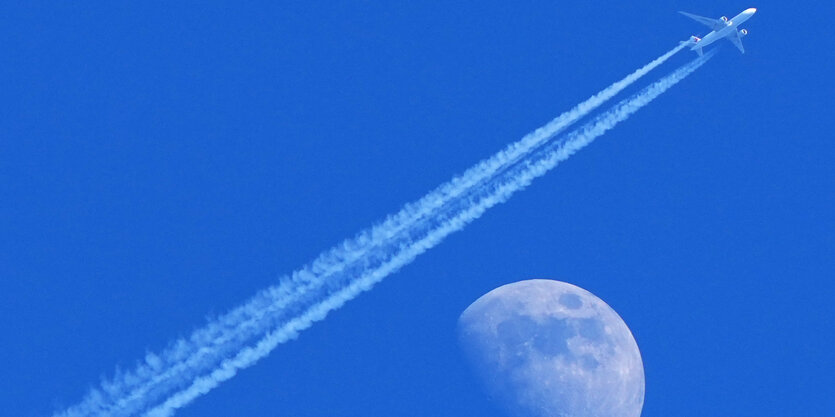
(724,19)
(743,32)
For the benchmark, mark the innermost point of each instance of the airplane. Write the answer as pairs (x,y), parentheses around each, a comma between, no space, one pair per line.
(722,28)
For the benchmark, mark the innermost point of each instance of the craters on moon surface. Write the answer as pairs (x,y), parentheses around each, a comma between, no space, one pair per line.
(549,348)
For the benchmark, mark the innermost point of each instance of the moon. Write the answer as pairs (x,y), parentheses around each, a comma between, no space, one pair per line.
(549,348)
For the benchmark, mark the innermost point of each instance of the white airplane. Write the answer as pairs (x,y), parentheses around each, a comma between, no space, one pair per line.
(722,28)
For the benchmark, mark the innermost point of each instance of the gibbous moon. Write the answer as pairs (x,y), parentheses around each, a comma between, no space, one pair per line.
(548,348)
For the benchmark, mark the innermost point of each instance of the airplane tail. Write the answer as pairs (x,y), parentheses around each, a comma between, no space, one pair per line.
(692,41)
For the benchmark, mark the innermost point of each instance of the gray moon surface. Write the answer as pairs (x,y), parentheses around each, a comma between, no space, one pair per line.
(549,348)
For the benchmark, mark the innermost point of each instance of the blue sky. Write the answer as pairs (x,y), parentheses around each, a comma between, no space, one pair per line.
(160,163)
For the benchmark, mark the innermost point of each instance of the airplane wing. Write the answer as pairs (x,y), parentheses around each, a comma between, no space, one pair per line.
(713,24)
(736,40)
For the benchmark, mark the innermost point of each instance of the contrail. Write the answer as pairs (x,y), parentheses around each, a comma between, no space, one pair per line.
(496,191)
(129,393)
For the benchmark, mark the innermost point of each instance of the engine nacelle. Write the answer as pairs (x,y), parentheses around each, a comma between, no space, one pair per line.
(743,32)
(724,19)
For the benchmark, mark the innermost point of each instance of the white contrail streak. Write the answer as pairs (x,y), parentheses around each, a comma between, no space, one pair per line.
(491,194)
(128,393)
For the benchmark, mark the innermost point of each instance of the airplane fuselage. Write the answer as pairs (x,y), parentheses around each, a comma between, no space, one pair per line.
(731,26)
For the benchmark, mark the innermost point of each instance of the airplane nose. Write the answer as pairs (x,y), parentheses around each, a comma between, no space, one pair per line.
(751,10)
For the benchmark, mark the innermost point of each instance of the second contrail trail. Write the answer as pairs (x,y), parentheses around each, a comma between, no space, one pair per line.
(474,204)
